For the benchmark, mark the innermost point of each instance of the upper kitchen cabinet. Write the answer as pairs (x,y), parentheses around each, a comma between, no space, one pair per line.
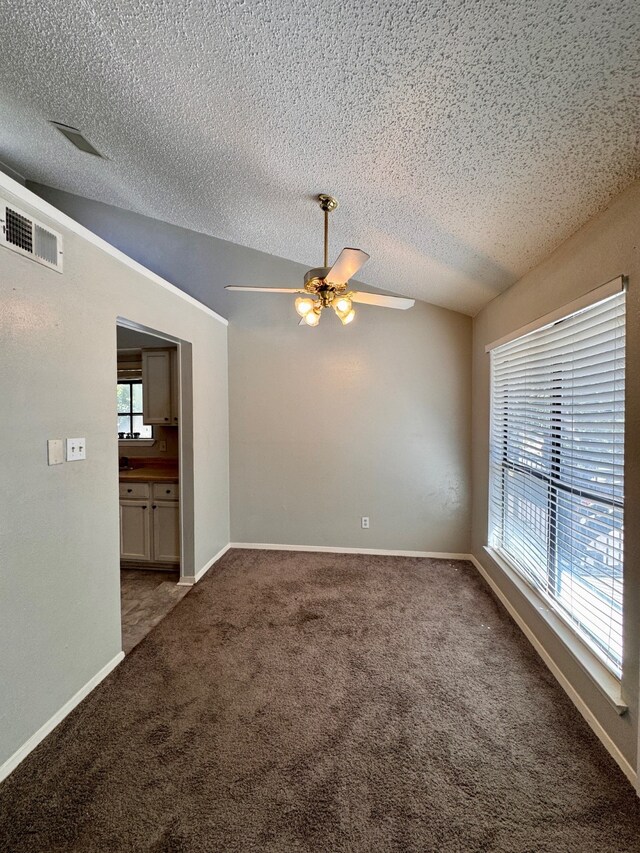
(159,380)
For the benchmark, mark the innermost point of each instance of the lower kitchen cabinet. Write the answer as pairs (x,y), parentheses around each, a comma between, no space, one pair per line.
(135,530)
(150,528)
(166,531)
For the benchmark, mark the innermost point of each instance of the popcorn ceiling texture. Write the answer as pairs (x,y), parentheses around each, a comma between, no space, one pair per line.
(464,140)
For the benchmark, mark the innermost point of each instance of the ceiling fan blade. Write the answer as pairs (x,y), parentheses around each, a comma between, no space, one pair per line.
(382,301)
(348,263)
(263,289)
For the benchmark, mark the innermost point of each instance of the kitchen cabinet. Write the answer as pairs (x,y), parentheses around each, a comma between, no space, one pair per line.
(149,522)
(166,531)
(135,530)
(159,388)
(165,491)
(134,491)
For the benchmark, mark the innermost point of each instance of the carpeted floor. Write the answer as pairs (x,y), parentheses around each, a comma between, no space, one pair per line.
(321,702)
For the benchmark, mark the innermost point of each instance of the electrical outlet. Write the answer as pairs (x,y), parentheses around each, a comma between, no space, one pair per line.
(76,449)
(365,522)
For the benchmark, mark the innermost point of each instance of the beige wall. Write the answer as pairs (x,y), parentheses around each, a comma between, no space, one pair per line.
(59,533)
(335,423)
(606,247)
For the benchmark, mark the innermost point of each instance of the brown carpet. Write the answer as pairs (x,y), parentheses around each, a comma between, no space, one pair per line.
(320,702)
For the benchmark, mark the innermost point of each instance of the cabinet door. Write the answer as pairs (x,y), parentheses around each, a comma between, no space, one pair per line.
(156,386)
(135,530)
(166,531)
(175,386)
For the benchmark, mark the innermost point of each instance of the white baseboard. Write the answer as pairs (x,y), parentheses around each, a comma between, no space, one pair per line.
(11,763)
(566,685)
(190,580)
(262,546)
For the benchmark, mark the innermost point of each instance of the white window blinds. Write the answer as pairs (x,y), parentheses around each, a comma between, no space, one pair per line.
(557,465)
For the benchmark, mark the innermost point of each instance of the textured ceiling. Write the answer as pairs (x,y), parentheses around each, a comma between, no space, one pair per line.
(464,140)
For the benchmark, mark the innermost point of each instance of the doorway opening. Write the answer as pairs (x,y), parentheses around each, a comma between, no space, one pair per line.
(156,526)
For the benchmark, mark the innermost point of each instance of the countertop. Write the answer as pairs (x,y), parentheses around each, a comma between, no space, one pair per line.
(152,473)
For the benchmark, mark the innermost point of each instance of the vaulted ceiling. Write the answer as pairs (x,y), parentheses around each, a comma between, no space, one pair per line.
(464,139)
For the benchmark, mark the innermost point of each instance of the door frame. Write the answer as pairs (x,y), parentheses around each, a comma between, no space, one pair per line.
(185,442)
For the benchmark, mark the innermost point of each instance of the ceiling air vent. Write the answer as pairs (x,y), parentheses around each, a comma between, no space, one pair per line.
(23,234)
(76,138)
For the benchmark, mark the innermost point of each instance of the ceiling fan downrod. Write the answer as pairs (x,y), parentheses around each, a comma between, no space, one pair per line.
(328,204)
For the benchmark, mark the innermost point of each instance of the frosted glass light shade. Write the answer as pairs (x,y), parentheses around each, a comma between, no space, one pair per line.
(312,318)
(304,305)
(342,304)
(348,317)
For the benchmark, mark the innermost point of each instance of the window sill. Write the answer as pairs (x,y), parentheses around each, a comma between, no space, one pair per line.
(600,675)
(137,442)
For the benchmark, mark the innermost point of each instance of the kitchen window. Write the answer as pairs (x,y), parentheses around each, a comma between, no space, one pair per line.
(130,424)
(557,467)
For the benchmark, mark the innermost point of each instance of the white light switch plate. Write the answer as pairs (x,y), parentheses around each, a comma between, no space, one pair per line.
(55,451)
(76,449)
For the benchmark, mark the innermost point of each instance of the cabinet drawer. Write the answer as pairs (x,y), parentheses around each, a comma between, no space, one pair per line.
(165,491)
(134,490)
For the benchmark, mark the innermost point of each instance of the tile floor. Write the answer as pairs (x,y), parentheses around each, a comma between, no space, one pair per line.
(146,598)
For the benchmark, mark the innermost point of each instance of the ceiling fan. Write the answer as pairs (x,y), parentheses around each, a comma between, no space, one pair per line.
(326,287)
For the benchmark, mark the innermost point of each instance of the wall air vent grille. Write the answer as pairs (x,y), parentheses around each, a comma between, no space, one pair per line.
(19,231)
(23,234)
(46,245)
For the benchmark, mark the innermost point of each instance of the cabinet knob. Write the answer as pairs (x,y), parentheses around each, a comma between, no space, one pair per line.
(154,507)
(129,490)
(166,419)
(144,507)
(168,492)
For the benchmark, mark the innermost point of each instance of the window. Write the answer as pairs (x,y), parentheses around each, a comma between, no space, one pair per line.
(556,467)
(130,411)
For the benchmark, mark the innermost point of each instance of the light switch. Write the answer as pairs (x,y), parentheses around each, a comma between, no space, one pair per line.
(55,451)
(76,449)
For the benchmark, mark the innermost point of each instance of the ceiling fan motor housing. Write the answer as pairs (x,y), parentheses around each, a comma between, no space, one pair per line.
(314,282)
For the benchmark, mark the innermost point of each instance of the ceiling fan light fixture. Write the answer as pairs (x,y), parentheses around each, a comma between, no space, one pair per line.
(304,305)
(348,317)
(312,318)
(341,305)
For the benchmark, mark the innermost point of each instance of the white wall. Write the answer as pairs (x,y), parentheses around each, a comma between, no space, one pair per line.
(327,424)
(59,551)
(606,247)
